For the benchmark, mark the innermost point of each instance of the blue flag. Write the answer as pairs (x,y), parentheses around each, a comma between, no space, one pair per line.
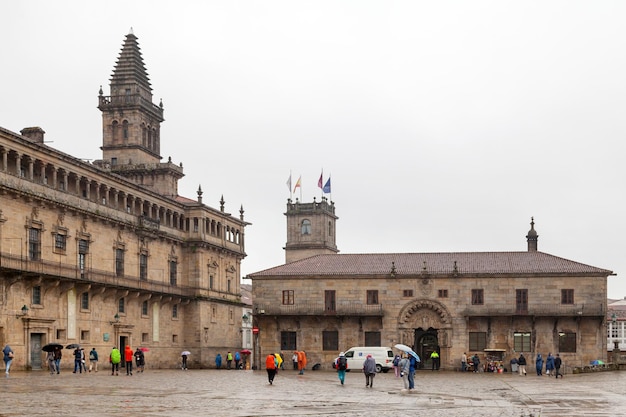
(326,188)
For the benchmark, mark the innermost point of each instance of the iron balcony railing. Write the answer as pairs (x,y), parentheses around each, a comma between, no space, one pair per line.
(348,308)
(570,310)
(24,266)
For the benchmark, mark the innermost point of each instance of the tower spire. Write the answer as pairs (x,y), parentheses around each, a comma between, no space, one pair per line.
(532,236)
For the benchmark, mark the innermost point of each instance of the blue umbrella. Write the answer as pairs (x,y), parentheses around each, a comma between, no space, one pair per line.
(408,350)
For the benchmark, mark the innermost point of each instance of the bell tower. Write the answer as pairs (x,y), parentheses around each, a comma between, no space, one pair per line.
(131,125)
(310,229)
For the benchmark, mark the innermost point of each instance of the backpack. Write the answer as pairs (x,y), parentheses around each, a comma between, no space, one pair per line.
(342,363)
(270,362)
(396,361)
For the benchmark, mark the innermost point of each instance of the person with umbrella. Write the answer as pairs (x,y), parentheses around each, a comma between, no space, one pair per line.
(50,360)
(58,355)
(184,355)
(78,360)
(404,365)
(140,360)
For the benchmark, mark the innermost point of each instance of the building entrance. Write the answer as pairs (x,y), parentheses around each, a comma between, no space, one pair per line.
(426,342)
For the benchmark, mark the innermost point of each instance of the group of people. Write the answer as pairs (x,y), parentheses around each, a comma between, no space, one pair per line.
(275,361)
(240,360)
(404,367)
(553,365)
(115,358)
(472,365)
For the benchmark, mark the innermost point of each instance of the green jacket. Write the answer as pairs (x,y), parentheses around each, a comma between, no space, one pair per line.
(116,356)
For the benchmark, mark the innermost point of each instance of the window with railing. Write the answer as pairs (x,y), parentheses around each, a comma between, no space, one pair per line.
(372,297)
(567,296)
(34,244)
(287,296)
(478,297)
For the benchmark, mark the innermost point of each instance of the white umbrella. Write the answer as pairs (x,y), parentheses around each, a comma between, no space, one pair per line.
(185,352)
(408,350)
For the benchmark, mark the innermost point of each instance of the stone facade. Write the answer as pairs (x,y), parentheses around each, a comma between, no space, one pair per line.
(107,253)
(495,304)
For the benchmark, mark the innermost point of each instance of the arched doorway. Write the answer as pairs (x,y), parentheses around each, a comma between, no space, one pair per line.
(426,326)
(426,342)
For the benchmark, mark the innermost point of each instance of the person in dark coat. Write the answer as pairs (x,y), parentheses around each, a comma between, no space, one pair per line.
(557,366)
(539,364)
(369,369)
(522,364)
(549,364)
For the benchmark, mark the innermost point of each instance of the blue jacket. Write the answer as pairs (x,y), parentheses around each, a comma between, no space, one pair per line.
(412,364)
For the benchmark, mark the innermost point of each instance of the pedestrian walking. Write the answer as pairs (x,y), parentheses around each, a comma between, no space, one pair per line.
(405,366)
(549,364)
(237,359)
(294,360)
(8,359)
(412,368)
(140,360)
(464,362)
(78,357)
(183,355)
(50,360)
(341,365)
(369,369)
(514,364)
(83,362)
(539,364)
(218,361)
(395,363)
(522,364)
(229,360)
(434,356)
(58,355)
(271,365)
(301,362)
(115,358)
(557,366)
(93,360)
(128,360)
(476,362)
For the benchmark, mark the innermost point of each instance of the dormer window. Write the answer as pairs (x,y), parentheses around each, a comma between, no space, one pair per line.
(306,227)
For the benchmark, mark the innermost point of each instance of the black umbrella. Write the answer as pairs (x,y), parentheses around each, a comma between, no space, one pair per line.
(72,346)
(51,347)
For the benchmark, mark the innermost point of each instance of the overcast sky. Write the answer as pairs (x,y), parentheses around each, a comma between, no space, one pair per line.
(444,125)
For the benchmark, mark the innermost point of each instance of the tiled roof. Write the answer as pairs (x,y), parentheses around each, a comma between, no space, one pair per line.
(483,263)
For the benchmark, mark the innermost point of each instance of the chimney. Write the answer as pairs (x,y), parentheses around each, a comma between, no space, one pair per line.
(35,134)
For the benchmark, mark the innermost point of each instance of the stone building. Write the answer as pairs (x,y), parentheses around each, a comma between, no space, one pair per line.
(107,253)
(494,304)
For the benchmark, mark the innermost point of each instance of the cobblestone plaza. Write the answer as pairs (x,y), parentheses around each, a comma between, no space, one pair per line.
(247,393)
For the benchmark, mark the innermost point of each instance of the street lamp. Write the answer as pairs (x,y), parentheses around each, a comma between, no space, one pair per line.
(116,319)
(24,311)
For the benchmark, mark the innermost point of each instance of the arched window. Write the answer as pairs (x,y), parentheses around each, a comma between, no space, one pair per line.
(306,227)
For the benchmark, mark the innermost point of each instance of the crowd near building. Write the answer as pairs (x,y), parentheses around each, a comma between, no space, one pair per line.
(108,253)
(493,304)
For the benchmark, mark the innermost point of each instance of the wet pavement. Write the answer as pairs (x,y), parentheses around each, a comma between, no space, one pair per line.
(316,393)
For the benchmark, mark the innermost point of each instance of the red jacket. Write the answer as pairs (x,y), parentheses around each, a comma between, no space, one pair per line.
(128,354)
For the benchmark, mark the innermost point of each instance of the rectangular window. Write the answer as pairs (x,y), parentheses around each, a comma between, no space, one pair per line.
(175,311)
(143,267)
(145,338)
(288,340)
(173,272)
(59,242)
(83,250)
(477,297)
(287,296)
(443,294)
(144,308)
(119,262)
(521,301)
(84,335)
(521,342)
(36,295)
(407,293)
(567,342)
(84,301)
(372,296)
(477,341)
(330,340)
(34,244)
(330,305)
(120,305)
(567,296)
(211,281)
(372,339)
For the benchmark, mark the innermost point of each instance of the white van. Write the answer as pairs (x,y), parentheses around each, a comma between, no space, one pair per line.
(382,355)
